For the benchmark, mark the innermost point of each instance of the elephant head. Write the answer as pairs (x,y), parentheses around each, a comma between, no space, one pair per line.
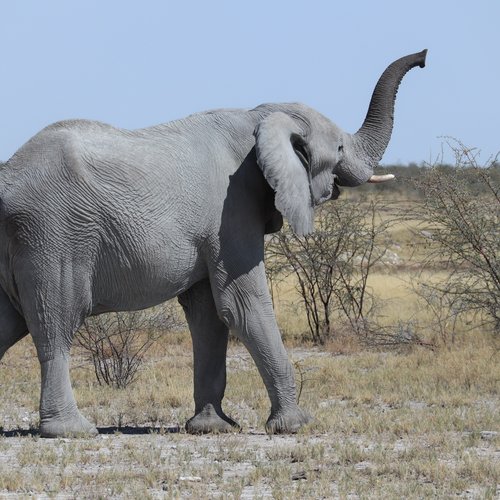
(305,157)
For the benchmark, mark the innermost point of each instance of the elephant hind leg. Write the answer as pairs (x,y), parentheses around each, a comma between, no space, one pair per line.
(210,336)
(55,302)
(12,325)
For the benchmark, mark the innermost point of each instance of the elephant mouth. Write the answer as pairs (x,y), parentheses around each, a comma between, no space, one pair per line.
(335,188)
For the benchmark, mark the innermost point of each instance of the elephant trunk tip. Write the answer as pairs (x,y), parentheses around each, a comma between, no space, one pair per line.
(422,55)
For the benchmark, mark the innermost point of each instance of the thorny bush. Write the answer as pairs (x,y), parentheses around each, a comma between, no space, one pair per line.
(332,265)
(117,342)
(460,213)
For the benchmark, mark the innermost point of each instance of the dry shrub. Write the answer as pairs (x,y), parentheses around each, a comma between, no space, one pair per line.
(460,215)
(332,265)
(116,342)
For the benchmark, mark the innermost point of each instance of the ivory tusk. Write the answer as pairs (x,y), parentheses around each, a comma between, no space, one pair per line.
(381,178)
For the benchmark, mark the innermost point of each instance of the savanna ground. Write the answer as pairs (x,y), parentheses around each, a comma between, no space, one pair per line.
(410,422)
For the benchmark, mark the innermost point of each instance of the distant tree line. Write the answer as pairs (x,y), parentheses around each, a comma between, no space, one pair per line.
(408,177)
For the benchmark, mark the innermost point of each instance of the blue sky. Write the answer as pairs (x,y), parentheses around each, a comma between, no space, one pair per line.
(139,63)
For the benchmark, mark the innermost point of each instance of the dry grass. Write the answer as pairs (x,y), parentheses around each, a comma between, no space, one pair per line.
(387,425)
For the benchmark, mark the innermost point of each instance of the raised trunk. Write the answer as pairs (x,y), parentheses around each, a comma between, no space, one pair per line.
(374,135)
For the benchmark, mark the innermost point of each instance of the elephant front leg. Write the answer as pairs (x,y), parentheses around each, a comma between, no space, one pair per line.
(245,305)
(210,336)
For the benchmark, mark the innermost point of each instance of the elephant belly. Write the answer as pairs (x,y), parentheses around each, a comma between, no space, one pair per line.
(144,279)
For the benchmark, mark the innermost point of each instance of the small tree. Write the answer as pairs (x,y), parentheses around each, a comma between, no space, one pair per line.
(461,213)
(332,264)
(117,342)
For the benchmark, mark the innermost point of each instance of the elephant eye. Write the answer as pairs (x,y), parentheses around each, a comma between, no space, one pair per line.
(341,148)
(301,152)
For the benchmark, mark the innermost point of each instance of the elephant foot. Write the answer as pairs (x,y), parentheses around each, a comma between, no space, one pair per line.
(287,421)
(75,425)
(209,420)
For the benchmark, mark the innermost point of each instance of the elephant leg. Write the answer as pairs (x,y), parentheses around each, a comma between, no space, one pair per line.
(245,306)
(54,305)
(12,324)
(210,336)
(59,414)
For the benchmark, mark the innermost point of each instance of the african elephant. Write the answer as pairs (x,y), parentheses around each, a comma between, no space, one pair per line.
(95,219)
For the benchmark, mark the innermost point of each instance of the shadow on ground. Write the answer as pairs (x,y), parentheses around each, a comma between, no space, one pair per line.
(129,430)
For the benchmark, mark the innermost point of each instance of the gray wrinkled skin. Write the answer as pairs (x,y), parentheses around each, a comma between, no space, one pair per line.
(95,219)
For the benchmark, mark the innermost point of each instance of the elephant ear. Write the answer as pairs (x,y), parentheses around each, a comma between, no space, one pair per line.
(274,139)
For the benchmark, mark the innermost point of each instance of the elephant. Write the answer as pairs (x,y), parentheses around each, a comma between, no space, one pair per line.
(95,219)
